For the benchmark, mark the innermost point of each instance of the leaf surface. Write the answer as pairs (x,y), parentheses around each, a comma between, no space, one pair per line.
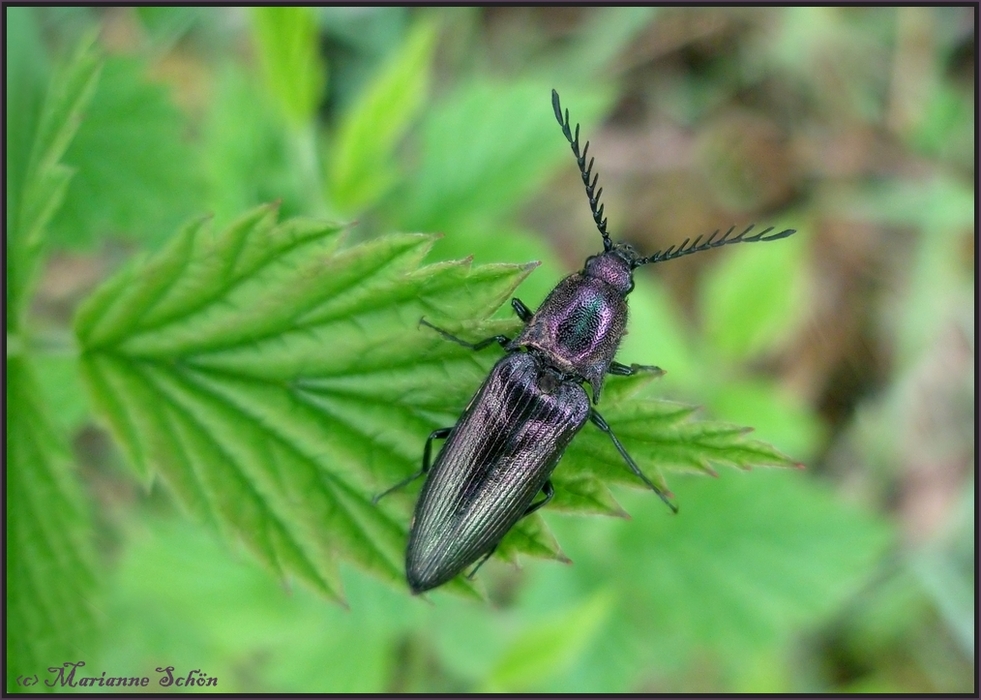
(35,194)
(276,380)
(51,573)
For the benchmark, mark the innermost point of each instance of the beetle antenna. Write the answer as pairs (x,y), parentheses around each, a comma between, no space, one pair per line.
(588,179)
(685,249)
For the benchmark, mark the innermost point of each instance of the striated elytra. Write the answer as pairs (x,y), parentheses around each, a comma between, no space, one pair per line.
(503,449)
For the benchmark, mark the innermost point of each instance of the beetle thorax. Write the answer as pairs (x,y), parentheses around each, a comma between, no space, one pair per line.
(579,326)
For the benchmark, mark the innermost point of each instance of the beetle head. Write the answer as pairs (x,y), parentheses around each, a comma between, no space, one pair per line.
(615,267)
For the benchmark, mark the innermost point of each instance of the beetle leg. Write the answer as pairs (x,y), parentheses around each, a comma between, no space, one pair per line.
(427,456)
(480,563)
(622,370)
(524,313)
(549,492)
(501,340)
(598,421)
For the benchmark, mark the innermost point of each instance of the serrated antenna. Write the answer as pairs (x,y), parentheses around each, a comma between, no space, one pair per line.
(588,179)
(686,249)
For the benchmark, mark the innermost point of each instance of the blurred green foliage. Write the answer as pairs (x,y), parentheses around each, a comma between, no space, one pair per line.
(848,346)
(53,589)
(361,158)
(289,62)
(130,143)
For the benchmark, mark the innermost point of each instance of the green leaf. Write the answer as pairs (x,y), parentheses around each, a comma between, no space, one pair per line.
(778,415)
(276,382)
(61,386)
(532,537)
(658,435)
(749,560)
(27,77)
(42,187)
(586,495)
(748,564)
(508,134)
(51,576)
(362,163)
(137,176)
(246,152)
(754,298)
(166,25)
(179,594)
(549,647)
(286,39)
(657,334)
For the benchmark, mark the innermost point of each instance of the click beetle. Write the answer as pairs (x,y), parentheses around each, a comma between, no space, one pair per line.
(501,452)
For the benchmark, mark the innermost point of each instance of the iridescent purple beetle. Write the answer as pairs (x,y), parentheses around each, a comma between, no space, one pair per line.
(502,451)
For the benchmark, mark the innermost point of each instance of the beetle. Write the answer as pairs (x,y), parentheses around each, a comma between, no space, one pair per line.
(501,452)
